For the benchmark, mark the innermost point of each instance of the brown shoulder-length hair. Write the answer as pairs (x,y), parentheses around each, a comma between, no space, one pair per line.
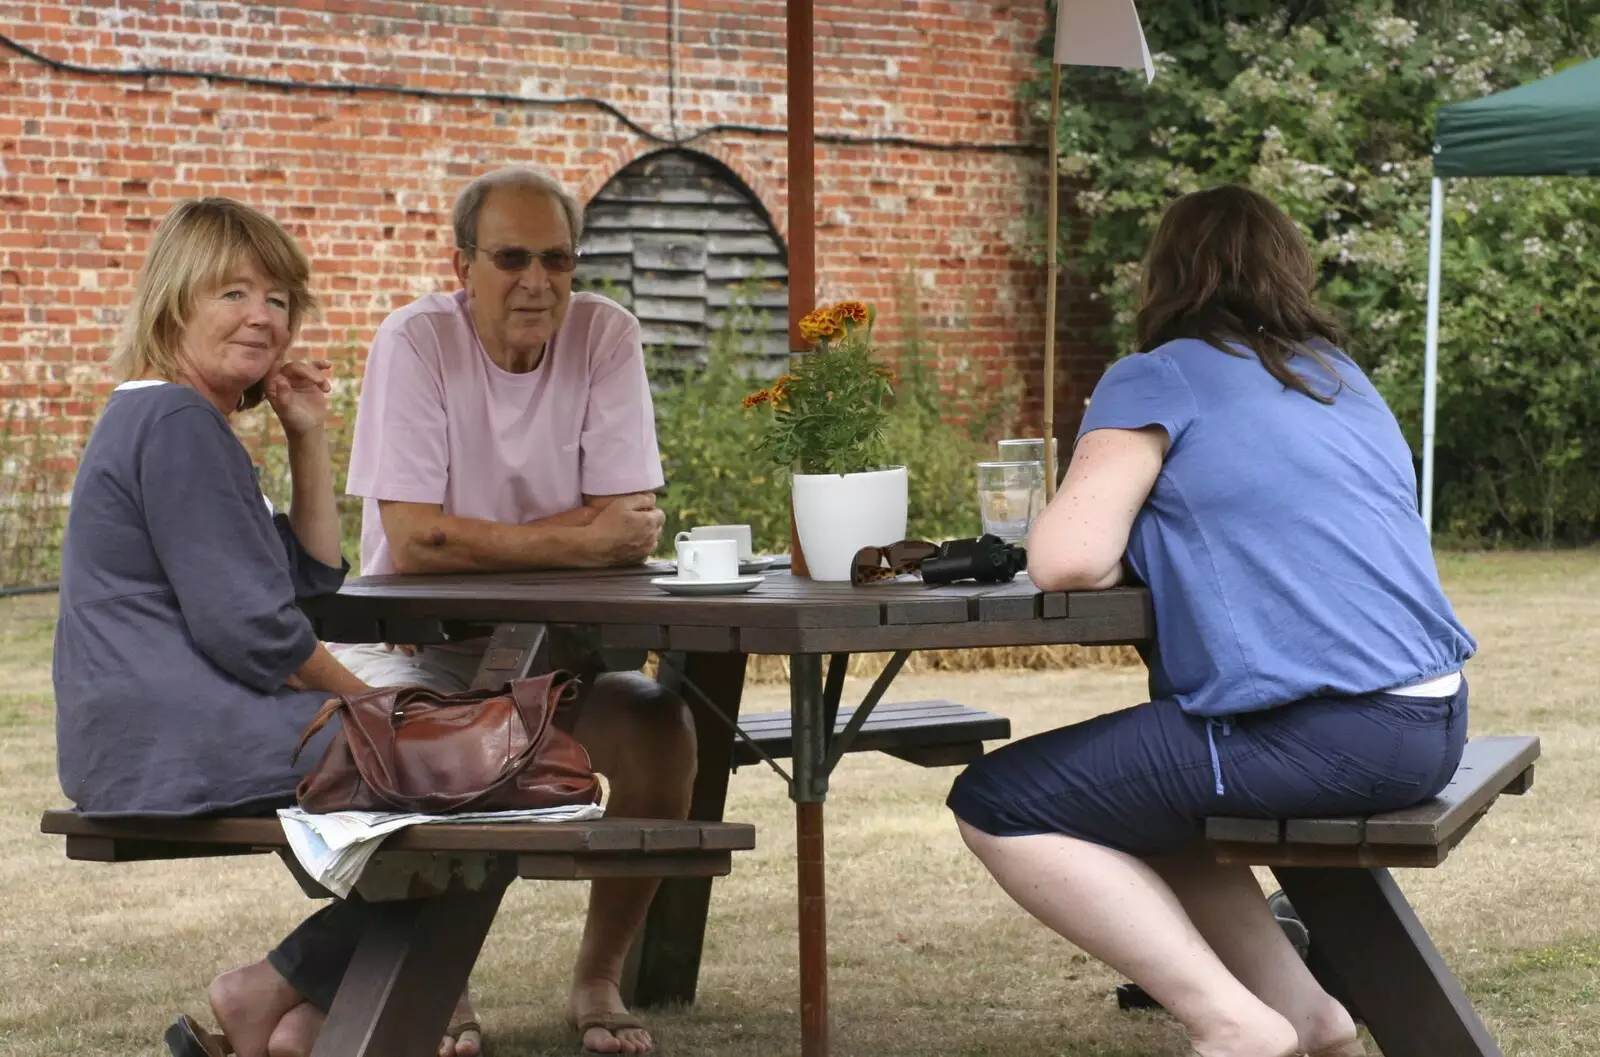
(1226,265)
(197,247)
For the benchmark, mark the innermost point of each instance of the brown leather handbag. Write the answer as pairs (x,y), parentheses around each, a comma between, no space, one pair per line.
(411,749)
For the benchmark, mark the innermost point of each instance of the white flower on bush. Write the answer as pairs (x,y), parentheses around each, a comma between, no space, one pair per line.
(1389,320)
(1393,32)
(1533,248)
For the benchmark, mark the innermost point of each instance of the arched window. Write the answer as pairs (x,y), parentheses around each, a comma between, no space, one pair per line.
(671,236)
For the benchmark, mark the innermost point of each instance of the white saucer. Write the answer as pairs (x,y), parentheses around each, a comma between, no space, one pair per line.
(747,566)
(672,585)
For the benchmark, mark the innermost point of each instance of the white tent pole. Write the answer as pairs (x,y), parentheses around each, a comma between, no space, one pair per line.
(1052,223)
(1431,364)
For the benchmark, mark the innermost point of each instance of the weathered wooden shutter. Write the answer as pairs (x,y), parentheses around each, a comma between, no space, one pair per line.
(670,236)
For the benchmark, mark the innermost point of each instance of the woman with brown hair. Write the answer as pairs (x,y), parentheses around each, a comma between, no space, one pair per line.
(1305,662)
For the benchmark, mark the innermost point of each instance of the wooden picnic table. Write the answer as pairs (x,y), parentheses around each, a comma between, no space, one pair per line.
(703,644)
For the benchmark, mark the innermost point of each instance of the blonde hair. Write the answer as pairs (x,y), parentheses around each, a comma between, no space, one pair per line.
(198,247)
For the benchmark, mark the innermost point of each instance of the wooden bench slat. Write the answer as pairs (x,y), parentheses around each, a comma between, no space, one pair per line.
(1488,766)
(603,836)
(584,867)
(908,711)
(1422,835)
(1244,830)
(927,733)
(1361,856)
(1324,830)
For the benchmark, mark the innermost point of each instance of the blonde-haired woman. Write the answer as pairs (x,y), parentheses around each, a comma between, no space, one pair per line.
(184,670)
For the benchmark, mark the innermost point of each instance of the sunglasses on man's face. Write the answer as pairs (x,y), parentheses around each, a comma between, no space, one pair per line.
(517,259)
(883,563)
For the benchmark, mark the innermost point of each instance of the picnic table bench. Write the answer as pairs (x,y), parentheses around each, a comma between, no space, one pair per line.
(436,888)
(1364,935)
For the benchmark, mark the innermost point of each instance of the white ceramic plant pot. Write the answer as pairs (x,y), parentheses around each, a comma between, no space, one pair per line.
(836,514)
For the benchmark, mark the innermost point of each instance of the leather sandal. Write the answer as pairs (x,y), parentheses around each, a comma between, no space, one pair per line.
(458,1026)
(613,1022)
(186,1038)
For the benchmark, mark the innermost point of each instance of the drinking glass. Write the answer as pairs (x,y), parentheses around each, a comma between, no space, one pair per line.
(1030,449)
(1024,449)
(1010,496)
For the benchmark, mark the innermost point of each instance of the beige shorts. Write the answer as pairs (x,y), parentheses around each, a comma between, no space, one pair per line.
(443,671)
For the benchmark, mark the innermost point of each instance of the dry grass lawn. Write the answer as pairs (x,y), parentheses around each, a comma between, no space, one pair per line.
(927,957)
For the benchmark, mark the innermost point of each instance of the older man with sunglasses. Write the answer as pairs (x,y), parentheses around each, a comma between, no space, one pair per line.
(508,426)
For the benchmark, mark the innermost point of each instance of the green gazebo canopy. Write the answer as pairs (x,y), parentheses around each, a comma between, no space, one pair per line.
(1547,128)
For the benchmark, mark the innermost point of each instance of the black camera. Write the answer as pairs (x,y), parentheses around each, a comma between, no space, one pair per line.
(987,559)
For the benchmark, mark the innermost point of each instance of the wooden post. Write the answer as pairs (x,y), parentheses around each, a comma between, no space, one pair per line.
(802,200)
(1052,236)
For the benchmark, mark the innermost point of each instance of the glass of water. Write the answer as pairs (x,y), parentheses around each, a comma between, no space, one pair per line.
(1030,449)
(1024,449)
(1010,496)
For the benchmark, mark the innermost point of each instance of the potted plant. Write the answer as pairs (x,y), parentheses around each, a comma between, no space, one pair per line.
(825,423)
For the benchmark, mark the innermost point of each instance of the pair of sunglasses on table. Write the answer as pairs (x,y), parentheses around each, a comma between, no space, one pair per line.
(986,559)
(872,564)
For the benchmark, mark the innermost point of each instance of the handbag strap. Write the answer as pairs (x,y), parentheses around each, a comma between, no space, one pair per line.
(330,708)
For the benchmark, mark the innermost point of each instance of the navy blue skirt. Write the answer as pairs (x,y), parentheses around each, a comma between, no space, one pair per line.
(1145,779)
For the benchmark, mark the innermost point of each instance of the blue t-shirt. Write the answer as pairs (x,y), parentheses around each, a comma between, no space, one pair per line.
(1281,542)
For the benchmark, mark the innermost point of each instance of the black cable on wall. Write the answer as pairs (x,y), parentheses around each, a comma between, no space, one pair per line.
(509,99)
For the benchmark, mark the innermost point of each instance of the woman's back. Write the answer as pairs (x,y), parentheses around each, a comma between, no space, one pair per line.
(1281,541)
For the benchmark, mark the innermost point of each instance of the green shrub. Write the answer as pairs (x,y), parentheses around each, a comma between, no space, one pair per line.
(36,469)
(1328,109)
(939,426)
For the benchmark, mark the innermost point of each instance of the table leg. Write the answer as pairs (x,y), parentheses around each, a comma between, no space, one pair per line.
(809,791)
(409,968)
(1408,998)
(664,965)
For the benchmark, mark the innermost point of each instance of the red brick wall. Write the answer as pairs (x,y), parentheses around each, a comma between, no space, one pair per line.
(89,164)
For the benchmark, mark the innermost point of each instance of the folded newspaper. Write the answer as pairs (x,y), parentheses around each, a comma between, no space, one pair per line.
(335,848)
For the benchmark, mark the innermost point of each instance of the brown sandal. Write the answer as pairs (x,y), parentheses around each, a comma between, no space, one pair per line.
(612,1022)
(456,1028)
(186,1038)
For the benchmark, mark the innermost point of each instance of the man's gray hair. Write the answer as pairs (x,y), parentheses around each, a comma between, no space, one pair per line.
(469,203)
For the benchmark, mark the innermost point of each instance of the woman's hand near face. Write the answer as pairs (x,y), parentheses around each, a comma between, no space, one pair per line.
(298,392)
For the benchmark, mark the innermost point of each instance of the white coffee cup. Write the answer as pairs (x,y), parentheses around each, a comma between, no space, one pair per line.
(714,559)
(738,533)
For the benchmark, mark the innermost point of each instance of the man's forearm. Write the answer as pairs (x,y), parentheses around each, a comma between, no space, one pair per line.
(313,512)
(447,544)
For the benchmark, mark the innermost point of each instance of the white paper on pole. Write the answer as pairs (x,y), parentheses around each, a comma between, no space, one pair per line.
(1102,33)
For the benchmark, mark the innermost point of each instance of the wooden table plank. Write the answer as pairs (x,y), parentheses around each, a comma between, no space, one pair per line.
(972,633)
(786,614)
(1017,600)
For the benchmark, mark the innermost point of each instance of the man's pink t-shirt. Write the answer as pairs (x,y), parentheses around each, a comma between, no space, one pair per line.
(440,422)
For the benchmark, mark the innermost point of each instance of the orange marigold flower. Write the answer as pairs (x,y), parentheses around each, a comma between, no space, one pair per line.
(815,326)
(762,397)
(854,311)
(780,388)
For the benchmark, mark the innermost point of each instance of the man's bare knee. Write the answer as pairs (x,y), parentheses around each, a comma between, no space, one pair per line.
(638,731)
